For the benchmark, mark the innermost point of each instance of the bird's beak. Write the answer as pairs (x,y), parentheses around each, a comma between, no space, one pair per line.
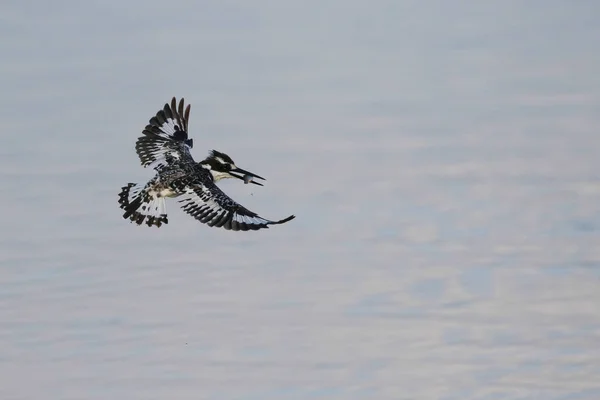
(247,177)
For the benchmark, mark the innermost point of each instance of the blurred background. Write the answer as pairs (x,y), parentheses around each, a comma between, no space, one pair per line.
(441,158)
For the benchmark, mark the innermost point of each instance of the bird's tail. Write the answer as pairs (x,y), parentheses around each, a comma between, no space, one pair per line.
(141,206)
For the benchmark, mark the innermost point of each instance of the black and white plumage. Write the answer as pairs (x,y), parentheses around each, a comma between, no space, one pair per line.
(165,146)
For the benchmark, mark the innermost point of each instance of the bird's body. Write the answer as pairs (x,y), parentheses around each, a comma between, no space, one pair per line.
(166,146)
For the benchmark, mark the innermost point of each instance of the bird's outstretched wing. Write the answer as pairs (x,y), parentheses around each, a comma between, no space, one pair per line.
(209,205)
(165,138)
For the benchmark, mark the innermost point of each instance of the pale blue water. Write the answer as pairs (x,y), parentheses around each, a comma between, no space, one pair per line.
(441,157)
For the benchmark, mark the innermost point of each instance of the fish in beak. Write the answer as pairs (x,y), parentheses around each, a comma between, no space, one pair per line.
(247,177)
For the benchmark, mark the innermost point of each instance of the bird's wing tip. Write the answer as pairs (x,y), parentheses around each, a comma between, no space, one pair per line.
(283,221)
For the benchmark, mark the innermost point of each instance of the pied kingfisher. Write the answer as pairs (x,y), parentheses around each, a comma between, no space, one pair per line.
(166,147)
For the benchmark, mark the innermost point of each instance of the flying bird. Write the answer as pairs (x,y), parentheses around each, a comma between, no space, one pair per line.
(165,146)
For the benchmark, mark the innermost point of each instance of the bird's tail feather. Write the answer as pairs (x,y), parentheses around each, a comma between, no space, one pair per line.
(140,206)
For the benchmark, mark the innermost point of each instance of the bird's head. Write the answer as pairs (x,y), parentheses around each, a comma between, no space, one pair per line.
(221,166)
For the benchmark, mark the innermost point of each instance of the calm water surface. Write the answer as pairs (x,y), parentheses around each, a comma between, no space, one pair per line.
(441,157)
